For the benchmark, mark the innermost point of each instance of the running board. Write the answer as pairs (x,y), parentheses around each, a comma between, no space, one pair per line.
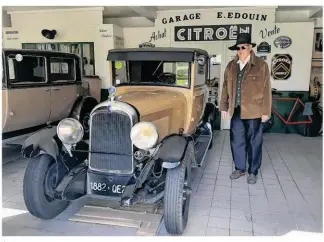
(202,142)
(146,223)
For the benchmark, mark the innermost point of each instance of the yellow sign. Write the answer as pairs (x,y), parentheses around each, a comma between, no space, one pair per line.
(118,65)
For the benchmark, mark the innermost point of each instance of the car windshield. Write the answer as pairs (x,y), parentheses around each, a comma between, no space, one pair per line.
(164,73)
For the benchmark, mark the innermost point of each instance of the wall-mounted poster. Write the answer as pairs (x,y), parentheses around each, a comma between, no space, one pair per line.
(318,43)
(281,66)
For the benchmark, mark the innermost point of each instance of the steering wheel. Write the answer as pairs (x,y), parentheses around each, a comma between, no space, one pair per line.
(169,77)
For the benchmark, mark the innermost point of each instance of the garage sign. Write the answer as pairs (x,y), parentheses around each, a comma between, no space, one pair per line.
(281,66)
(210,32)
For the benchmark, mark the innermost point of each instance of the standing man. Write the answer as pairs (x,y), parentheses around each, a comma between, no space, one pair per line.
(246,96)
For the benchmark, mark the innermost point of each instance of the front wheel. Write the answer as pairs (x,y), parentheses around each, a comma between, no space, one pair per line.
(38,188)
(177,195)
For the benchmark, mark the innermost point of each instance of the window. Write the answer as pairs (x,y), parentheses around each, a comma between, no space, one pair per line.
(152,73)
(83,49)
(31,69)
(62,69)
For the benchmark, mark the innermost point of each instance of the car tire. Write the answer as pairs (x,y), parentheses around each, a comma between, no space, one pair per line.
(39,173)
(177,195)
(212,123)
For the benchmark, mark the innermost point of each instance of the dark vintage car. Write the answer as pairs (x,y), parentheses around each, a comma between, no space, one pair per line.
(144,142)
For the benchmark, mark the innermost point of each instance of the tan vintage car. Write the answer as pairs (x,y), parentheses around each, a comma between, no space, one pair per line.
(144,141)
(43,87)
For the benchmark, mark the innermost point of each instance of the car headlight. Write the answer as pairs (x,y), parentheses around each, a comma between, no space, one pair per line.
(70,131)
(144,135)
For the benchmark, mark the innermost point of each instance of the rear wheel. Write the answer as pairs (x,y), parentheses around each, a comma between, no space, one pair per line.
(211,121)
(38,188)
(177,195)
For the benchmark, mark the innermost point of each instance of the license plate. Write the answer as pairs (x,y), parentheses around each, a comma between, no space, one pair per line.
(107,188)
(107,185)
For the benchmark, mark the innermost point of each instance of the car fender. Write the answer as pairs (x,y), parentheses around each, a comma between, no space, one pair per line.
(80,103)
(41,142)
(173,149)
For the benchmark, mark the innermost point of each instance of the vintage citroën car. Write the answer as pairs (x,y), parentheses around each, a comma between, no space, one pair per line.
(145,140)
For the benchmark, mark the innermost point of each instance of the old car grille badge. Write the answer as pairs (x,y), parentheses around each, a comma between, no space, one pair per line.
(138,155)
(109,108)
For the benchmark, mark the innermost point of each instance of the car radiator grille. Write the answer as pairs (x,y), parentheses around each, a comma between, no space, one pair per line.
(110,143)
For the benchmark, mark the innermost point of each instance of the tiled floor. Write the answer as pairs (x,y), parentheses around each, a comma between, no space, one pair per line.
(287,196)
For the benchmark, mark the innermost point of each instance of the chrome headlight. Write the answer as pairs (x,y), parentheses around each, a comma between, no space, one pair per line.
(144,135)
(70,131)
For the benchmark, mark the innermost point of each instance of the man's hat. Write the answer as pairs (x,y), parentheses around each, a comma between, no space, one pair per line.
(242,38)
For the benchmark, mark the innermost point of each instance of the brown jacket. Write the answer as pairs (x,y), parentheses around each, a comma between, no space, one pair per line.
(256,96)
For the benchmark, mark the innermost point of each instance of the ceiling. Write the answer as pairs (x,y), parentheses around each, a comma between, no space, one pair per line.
(132,11)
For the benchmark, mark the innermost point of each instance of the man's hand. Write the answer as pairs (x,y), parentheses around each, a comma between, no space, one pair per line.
(265,118)
(224,115)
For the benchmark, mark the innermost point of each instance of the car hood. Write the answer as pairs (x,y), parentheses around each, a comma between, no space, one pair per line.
(164,108)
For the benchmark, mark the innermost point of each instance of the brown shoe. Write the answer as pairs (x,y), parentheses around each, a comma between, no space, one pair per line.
(237,174)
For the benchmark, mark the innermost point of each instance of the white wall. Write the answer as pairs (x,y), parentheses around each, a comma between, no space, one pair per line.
(135,36)
(300,50)
(137,22)
(292,16)
(301,53)
(72,26)
(58,17)
(86,25)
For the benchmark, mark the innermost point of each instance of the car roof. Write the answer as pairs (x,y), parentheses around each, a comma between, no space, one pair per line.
(42,52)
(161,49)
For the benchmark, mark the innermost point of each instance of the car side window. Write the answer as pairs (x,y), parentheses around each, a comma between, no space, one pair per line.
(62,69)
(26,69)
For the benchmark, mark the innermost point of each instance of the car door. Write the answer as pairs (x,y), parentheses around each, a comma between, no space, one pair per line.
(200,93)
(28,93)
(64,87)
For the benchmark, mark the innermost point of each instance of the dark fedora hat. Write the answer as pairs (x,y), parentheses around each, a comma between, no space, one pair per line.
(242,38)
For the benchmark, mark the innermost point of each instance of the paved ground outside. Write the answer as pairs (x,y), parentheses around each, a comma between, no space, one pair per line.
(287,196)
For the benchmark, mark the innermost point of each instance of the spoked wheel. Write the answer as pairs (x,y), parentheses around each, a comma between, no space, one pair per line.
(177,195)
(38,188)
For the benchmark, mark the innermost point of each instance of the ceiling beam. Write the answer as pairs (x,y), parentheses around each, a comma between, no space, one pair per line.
(315,12)
(146,12)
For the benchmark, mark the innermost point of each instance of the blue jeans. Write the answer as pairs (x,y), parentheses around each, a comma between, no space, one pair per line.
(246,139)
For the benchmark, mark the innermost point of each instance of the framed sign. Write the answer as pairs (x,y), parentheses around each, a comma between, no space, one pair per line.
(318,43)
(281,66)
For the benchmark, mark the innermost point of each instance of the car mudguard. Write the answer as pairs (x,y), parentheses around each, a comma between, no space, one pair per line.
(173,149)
(46,142)
(40,142)
(80,103)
